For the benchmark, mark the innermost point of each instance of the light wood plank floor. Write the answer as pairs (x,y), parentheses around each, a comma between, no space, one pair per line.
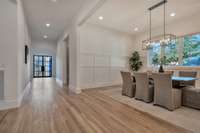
(50,109)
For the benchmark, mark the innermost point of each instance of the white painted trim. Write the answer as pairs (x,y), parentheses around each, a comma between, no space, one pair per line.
(91,11)
(60,82)
(10,104)
(74,89)
(98,85)
(26,90)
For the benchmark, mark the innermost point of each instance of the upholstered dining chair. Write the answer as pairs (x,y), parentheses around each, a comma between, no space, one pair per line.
(164,94)
(188,74)
(144,88)
(128,86)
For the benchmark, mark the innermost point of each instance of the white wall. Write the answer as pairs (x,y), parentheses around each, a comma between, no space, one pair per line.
(103,53)
(73,58)
(72,30)
(8,47)
(13,37)
(44,48)
(24,70)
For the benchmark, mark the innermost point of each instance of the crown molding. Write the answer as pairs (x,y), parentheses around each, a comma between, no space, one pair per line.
(99,4)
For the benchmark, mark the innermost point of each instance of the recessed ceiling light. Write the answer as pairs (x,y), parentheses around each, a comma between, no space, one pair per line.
(100,17)
(173,14)
(48,25)
(45,36)
(54,0)
(136,29)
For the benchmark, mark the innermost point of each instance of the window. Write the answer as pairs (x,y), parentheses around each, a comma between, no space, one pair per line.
(154,54)
(191,50)
(171,53)
(184,51)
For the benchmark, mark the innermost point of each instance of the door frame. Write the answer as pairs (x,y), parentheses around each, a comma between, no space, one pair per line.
(42,65)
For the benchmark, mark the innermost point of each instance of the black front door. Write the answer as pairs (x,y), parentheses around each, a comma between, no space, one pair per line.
(42,66)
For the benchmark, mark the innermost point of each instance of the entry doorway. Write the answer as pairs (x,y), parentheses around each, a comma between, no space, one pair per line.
(42,66)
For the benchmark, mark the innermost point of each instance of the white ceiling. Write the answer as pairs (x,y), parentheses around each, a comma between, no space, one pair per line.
(58,14)
(125,15)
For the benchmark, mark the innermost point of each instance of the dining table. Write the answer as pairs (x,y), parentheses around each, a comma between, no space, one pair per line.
(186,79)
(176,81)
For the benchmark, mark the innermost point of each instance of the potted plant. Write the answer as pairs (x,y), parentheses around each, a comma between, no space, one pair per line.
(163,61)
(135,62)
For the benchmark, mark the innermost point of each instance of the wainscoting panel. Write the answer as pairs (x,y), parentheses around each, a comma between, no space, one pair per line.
(98,70)
(115,76)
(102,74)
(102,61)
(86,75)
(86,60)
(118,62)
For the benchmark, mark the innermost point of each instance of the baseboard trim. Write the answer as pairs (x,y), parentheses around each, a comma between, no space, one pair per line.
(26,90)
(10,104)
(74,89)
(98,85)
(60,82)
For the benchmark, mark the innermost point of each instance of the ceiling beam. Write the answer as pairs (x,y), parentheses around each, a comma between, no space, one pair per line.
(98,5)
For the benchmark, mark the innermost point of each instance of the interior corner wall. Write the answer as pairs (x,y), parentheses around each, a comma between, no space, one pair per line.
(103,54)
(45,47)
(8,47)
(61,58)
(24,71)
(182,27)
(13,37)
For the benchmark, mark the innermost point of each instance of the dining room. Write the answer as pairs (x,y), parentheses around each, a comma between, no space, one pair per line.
(161,74)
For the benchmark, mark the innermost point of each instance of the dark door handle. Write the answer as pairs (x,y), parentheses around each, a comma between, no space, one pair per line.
(42,68)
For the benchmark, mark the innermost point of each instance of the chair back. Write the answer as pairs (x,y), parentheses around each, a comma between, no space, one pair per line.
(128,87)
(163,89)
(143,90)
(126,77)
(188,74)
(142,80)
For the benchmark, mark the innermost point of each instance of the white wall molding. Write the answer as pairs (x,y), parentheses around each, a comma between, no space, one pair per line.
(60,82)
(25,91)
(89,86)
(100,70)
(74,89)
(9,104)
(103,54)
(92,9)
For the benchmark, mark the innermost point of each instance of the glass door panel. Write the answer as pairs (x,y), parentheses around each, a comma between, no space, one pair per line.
(42,66)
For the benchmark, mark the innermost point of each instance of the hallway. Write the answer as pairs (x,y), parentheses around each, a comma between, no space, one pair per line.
(49,109)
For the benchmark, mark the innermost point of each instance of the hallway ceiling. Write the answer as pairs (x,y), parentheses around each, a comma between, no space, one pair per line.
(126,15)
(58,14)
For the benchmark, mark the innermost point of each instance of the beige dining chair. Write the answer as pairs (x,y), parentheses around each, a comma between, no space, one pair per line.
(164,94)
(144,88)
(188,74)
(128,86)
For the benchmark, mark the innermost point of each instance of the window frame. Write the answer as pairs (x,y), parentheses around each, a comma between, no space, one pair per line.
(180,50)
